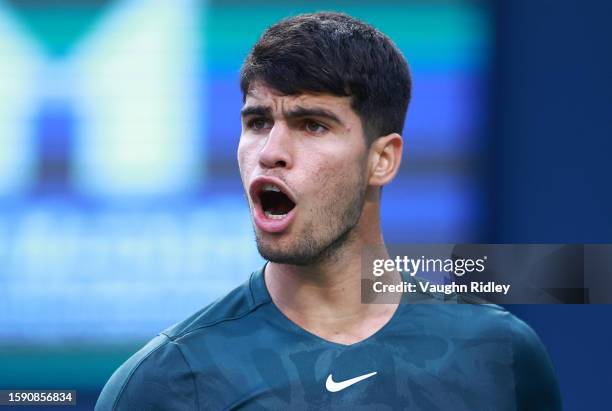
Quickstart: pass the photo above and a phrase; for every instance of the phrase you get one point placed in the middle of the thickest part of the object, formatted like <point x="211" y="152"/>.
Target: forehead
<point x="262" y="95"/>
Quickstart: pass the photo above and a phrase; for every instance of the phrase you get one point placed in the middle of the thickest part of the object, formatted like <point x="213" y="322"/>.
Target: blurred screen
<point x="121" y="206"/>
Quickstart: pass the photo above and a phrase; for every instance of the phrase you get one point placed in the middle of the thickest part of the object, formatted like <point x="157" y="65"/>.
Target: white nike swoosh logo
<point x="333" y="386"/>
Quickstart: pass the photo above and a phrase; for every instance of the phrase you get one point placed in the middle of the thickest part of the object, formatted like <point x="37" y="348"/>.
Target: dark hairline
<point x="370" y="108"/>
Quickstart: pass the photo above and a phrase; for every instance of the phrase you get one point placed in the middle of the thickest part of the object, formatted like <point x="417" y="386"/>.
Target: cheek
<point x="334" y="175"/>
<point x="343" y="163"/>
<point x="245" y="155"/>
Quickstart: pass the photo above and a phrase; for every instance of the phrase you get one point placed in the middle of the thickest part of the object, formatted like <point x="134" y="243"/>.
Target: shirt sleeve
<point x="536" y="384"/>
<point x="155" y="378"/>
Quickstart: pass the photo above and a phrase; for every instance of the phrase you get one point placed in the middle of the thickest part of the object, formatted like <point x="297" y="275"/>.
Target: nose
<point x="276" y="151"/>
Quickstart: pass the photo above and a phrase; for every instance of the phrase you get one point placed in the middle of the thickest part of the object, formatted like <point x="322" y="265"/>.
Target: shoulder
<point x="156" y="376"/>
<point x="491" y="334"/>
<point x="160" y="376"/>
<point x="464" y="314"/>
<point x="536" y="384"/>
<point x="468" y="317"/>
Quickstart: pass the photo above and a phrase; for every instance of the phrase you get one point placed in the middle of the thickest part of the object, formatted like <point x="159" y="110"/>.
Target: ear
<point x="385" y="156"/>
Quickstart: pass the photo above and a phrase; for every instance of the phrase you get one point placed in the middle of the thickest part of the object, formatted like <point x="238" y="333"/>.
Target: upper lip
<point x="258" y="183"/>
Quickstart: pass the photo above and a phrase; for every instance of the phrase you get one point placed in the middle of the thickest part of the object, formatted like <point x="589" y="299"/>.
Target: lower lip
<point x="272" y="225"/>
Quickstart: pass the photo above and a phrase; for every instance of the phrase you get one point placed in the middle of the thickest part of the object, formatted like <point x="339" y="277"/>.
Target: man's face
<point x="302" y="161"/>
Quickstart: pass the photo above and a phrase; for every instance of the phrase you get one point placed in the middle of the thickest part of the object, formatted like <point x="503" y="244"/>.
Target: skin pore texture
<point x="313" y="147"/>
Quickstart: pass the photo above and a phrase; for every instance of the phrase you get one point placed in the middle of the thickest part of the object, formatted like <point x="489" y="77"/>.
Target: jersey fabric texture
<point x="242" y="353"/>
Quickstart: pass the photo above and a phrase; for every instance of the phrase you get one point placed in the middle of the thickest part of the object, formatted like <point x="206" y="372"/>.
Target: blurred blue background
<point x="121" y="207"/>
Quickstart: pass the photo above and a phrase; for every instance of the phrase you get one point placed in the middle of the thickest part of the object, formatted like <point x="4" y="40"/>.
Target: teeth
<point x="274" y="216"/>
<point x="270" y="187"/>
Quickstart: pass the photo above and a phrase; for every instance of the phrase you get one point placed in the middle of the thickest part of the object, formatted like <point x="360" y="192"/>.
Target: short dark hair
<point x="334" y="53"/>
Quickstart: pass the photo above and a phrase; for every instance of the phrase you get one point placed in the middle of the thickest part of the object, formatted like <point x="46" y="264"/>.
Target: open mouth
<point x="274" y="202"/>
<point x="274" y="206"/>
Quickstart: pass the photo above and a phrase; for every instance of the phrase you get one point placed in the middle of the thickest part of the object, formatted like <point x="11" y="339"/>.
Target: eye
<point x="258" y="124"/>
<point x="314" y="127"/>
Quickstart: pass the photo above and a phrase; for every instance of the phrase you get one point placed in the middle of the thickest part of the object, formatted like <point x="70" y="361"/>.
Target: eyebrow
<point x="301" y="112"/>
<point x="256" y="111"/>
<point x="296" y="113"/>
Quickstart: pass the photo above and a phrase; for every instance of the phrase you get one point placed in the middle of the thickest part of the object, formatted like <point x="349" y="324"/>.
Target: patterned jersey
<point x="242" y="353"/>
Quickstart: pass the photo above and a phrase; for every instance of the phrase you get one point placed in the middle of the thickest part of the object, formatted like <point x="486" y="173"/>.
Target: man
<point x="325" y="98"/>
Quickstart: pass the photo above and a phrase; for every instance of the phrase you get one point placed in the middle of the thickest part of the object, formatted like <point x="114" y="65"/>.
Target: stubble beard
<point x="324" y="236"/>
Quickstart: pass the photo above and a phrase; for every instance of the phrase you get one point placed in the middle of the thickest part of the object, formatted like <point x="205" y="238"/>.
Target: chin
<point x="275" y="256"/>
<point x="277" y="252"/>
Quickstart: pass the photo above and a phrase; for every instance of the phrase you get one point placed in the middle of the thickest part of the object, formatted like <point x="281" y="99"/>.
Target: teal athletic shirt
<point x="242" y="353"/>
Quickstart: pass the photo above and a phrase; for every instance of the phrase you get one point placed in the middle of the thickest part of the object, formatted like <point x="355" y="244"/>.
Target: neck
<point x="325" y="297"/>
